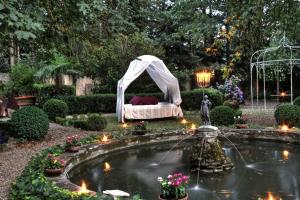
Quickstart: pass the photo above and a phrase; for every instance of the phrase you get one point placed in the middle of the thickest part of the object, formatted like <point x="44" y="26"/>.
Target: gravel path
<point x="16" y="156"/>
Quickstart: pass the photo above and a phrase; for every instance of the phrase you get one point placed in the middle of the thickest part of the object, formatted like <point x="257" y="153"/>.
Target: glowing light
<point x="284" y="128"/>
<point x="83" y="189"/>
<point x="104" y="138"/>
<point x="193" y="127"/>
<point x="272" y="197"/>
<point x="183" y="121"/>
<point x="124" y="125"/>
<point x="282" y="94"/>
<point x="107" y="167"/>
<point x="203" y="77"/>
<point x="286" y="154"/>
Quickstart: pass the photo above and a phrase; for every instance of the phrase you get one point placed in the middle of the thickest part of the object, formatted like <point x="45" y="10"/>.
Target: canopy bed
<point x="148" y="107"/>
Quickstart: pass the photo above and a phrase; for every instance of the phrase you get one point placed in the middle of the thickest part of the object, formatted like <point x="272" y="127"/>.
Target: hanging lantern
<point x="203" y="77"/>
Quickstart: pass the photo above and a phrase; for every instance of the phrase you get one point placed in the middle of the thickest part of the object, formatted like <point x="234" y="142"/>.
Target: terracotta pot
<point x="184" y="198"/>
<point x="53" y="172"/>
<point x="139" y="132"/>
<point x="73" y="149"/>
<point x="241" y="126"/>
<point x="21" y="101"/>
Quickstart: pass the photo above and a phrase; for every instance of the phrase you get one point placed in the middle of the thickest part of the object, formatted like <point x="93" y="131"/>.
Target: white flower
<point x="170" y="176"/>
<point x="239" y="117"/>
<point x="169" y="183"/>
<point x="160" y="179"/>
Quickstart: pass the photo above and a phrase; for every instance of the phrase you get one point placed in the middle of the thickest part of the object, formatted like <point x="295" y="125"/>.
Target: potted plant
<point x="72" y="144"/>
<point x="240" y="122"/>
<point x="53" y="166"/>
<point x="140" y="128"/>
<point x="20" y="89"/>
<point x="173" y="187"/>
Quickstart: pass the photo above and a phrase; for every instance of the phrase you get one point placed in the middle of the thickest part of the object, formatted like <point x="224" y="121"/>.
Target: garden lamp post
<point x="203" y="77"/>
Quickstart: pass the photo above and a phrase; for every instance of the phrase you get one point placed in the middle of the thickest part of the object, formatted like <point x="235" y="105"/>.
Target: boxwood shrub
<point x="297" y="101"/>
<point x="106" y="103"/>
<point x="30" y="123"/>
<point x="288" y="114"/>
<point x="55" y="108"/>
<point x="222" y="115"/>
<point x="96" y="122"/>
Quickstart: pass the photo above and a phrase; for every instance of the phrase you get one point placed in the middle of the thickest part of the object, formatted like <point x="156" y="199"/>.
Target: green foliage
<point x="21" y="81"/>
<point x="110" y="61"/>
<point x="191" y="100"/>
<point x="92" y="103"/>
<point x="238" y="113"/>
<point x="106" y="103"/>
<point x="81" y="124"/>
<point x="20" y="21"/>
<point x="222" y="115"/>
<point x="234" y="104"/>
<point x="297" y="101"/>
<point x="30" y="123"/>
<point x="96" y="122"/>
<point x="287" y="114"/>
<point x="55" y="108"/>
<point x="58" y="66"/>
<point x="46" y="92"/>
<point x="32" y="184"/>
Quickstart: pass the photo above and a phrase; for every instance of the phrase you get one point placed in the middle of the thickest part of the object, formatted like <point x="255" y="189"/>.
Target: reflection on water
<point x="269" y="169"/>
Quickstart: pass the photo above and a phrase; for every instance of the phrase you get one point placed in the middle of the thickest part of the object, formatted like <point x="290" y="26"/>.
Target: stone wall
<point x="84" y="86"/>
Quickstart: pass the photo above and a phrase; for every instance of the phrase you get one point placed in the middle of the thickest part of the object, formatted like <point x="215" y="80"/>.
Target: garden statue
<point x="204" y="111"/>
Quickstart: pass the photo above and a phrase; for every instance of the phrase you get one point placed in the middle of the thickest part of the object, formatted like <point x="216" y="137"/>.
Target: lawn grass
<point x="156" y="125"/>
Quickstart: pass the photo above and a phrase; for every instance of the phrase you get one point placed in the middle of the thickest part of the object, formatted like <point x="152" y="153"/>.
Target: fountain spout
<point x="207" y="155"/>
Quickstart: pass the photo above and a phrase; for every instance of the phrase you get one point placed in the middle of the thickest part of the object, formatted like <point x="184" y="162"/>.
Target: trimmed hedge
<point x="46" y="92"/>
<point x="191" y="100"/>
<point x="287" y="114"/>
<point x="55" y="108"/>
<point x="30" y="123"/>
<point x="106" y="103"/>
<point x="222" y="115"/>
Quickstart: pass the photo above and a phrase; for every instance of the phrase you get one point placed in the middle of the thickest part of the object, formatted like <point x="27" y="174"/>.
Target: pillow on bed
<point x="146" y="100"/>
<point x="136" y="100"/>
<point x="150" y="100"/>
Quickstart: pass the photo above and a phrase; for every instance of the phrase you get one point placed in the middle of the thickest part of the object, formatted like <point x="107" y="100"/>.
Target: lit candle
<point x="124" y="125"/>
<point x="285" y="154"/>
<point x="104" y="139"/>
<point x="83" y="189"/>
<point x="284" y="128"/>
<point x="183" y="121"/>
<point x="107" y="167"/>
<point x="282" y="94"/>
<point x="193" y="127"/>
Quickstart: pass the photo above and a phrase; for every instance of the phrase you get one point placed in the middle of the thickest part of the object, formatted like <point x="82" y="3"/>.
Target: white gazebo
<point x="163" y="78"/>
<point x="260" y="61"/>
